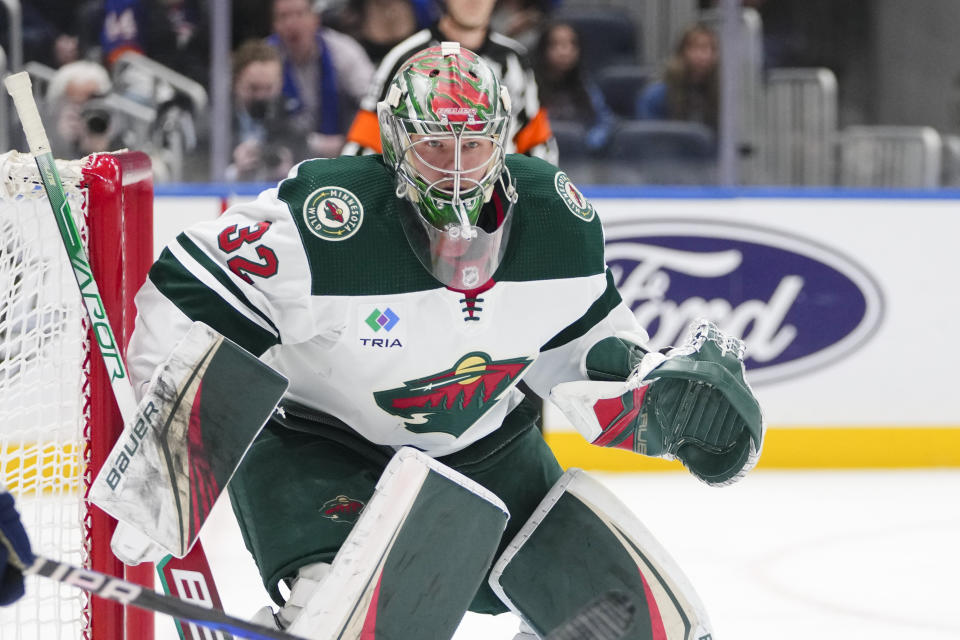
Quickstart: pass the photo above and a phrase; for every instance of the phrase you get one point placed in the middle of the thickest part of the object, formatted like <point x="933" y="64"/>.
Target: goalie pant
<point x="419" y="554"/>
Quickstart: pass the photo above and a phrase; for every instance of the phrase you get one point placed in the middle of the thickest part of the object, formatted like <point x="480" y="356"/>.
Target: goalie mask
<point x="443" y="126"/>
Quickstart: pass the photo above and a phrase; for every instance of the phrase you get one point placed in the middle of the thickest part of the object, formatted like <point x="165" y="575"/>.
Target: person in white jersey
<point x="404" y="296"/>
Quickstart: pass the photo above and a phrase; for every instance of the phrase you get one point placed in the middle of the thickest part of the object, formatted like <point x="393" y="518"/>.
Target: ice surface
<point x="786" y="555"/>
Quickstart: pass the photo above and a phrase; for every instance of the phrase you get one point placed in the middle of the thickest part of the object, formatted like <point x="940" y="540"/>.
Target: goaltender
<point x="404" y="296"/>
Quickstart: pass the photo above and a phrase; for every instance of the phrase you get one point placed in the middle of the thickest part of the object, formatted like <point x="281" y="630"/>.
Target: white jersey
<point x="316" y="277"/>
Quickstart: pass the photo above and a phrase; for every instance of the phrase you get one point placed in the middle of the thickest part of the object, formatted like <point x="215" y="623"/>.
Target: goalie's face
<point x="451" y="171"/>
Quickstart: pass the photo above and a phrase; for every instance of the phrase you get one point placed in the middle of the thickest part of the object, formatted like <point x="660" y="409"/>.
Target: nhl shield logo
<point x="572" y="197"/>
<point x="332" y="213"/>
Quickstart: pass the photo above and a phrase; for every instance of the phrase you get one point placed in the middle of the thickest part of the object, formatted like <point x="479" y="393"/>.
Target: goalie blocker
<point x="204" y="406"/>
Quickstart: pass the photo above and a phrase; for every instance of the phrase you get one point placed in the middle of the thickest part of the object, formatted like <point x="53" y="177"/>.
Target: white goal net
<point x="43" y="399"/>
<point x="52" y="417"/>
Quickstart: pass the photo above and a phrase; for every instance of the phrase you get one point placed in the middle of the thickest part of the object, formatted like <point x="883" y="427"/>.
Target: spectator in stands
<point x="82" y="124"/>
<point x="250" y="19"/>
<point x="689" y="88"/>
<point x="174" y="33"/>
<point x="522" y="20"/>
<point x="466" y="22"/>
<point x="325" y="74"/>
<point x="177" y="35"/>
<point x="378" y="25"/>
<point x="266" y="145"/>
<point x="566" y="90"/>
<point x="55" y="32"/>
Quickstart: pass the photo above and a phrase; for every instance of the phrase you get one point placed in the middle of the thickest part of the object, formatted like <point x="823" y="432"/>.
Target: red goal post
<point x="58" y="417"/>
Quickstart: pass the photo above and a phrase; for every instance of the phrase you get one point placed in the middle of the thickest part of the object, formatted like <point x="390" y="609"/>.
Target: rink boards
<point x="844" y="298"/>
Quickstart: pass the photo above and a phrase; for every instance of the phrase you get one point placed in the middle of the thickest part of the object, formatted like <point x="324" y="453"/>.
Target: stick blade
<point x="609" y="616"/>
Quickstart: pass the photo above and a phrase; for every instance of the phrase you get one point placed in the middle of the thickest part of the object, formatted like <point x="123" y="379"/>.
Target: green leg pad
<point x="286" y="492"/>
<point x="414" y="559"/>
<point x="582" y="542"/>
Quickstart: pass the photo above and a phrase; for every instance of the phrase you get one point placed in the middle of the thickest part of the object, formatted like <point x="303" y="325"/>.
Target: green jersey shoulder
<point x="347" y="213"/>
<point x="557" y="233"/>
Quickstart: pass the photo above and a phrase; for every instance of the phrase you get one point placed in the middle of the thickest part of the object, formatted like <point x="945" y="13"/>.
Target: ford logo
<point x="797" y="304"/>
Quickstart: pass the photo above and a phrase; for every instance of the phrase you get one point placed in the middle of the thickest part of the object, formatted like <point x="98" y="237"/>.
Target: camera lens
<point x="97" y="121"/>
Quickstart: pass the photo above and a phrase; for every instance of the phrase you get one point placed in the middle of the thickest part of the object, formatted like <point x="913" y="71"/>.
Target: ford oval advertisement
<point x="798" y="304"/>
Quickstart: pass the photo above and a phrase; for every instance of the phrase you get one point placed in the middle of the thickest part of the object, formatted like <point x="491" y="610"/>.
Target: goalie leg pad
<point x="414" y="559"/>
<point x="285" y="493"/>
<point x="519" y="467"/>
<point x="582" y="541"/>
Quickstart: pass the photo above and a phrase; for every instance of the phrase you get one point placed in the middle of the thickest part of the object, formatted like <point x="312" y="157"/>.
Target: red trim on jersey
<point x="473" y="293"/>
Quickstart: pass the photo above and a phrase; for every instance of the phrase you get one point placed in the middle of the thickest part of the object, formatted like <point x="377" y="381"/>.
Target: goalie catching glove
<point x="692" y="404"/>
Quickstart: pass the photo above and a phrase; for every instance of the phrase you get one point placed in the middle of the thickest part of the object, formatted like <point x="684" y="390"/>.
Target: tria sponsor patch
<point x="385" y="319"/>
<point x="380" y="325"/>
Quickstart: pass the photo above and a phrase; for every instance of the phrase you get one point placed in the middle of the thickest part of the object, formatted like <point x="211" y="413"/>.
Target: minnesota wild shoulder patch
<point x="572" y="197"/>
<point x="332" y="213"/>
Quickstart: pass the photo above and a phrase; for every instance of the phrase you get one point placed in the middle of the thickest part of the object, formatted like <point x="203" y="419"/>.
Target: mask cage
<point x="453" y="197"/>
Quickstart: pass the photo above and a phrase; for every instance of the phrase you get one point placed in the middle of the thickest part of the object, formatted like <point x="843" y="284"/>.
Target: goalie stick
<point x="19" y="87"/>
<point x="606" y="617"/>
<point x="129" y="593"/>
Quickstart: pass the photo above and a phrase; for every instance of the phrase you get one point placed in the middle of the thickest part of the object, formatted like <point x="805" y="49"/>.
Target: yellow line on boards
<point x="795" y="448"/>
<point x="56" y="467"/>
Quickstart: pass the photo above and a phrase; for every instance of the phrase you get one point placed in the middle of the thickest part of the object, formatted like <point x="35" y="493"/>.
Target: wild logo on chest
<point x="451" y="401"/>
